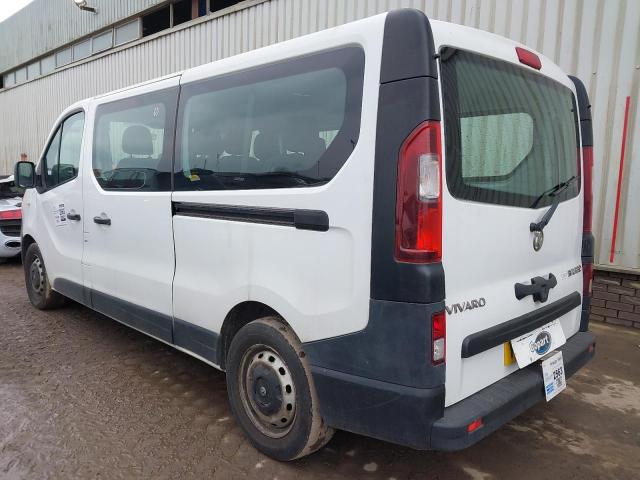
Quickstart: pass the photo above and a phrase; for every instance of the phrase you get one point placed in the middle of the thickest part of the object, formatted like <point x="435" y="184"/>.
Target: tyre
<point x="39" y="290"/>
<point x="271" y="391"/>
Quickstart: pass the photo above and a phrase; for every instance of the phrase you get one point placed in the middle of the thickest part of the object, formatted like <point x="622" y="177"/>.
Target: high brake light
<point x="529" y="58"/>
<point x="11" y="214"/>
<point x="419" y="197"/>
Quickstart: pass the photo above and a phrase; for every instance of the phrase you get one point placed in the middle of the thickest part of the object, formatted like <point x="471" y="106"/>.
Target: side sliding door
<point x="273" y="196"/>
<point x="129" y="255"/>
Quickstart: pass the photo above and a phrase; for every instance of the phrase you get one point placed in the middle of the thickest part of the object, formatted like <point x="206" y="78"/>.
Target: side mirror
<point x="25" y="174"/>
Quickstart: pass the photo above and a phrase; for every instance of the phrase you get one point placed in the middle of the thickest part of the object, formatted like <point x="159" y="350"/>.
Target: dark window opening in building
<point x="1" y="82"/>
<point x="182" y="11"/>
<point x="221" y="4"/>
<point x="156" y="21"/>
<point x="202" y="7"/>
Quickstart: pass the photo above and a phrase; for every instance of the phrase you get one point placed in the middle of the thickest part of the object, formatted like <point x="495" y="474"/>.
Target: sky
<point x="9" y="7"/>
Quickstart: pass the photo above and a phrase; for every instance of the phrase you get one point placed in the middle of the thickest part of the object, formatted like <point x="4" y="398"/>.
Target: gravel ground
<point x="82" y="396"/>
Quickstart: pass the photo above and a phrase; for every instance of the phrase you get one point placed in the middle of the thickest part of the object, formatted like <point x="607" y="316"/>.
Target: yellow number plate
<point x="509" y="357"/>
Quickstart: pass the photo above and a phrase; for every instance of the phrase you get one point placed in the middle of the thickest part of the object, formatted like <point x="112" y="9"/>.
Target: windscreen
<point x="510" y="132"/>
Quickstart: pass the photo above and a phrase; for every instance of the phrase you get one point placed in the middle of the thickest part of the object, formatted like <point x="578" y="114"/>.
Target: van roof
<point x="444" y="33"/>
<point x="447" y="34"/>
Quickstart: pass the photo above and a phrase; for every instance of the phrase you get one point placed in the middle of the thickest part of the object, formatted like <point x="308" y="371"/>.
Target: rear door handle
<point x="102" y="220"/>
<point x="539" y="288"/>
<point x="73" y="216"/>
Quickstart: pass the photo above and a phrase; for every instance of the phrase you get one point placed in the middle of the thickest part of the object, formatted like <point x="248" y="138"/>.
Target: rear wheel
<point x="41" y="295"/>
<point x="271" y="391"/>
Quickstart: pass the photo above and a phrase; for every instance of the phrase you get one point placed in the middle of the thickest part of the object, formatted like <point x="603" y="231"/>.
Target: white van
<point x="381" y="228"/>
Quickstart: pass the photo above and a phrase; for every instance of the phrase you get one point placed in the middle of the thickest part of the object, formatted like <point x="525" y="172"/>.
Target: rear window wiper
<point x="555" y="193"/>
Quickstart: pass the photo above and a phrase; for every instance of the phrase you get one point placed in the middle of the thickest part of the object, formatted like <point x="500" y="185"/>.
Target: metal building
<point x="54" y="53"/>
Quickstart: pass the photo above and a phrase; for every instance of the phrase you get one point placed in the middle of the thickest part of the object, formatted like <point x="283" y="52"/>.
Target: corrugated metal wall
<point x="599" y="40"/>
<point x="56" y="23"/>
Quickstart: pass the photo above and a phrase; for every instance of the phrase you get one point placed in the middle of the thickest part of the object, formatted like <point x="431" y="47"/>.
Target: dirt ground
<point x="82" y="396"/>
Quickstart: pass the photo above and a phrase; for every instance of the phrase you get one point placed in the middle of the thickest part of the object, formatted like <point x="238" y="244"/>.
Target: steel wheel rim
<point x="267" y="391"/>
<point x="36" y="276"/>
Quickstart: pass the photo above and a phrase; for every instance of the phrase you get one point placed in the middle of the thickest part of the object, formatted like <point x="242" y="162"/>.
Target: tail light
<point x="438" y="338"/>
<point x="419" y="197"/>
<point x="587" y="279"/>
<point x="587" y="173"/>
<point x="11" y="214"/>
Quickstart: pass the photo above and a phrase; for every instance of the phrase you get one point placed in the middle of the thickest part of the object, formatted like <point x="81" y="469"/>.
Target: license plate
<point x="553" y="374"/>
<point x="532" y="346"/>
<point x="508" y="356"/>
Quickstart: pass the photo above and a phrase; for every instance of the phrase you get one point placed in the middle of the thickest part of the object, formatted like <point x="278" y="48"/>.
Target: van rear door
<point x="511" y="155"/>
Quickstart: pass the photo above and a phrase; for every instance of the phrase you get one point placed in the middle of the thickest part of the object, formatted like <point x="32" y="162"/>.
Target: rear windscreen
<point x="510" y="132"/>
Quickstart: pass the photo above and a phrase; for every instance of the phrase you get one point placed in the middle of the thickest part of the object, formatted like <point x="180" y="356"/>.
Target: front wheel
<point x="41" y="295"/>
<point x="271" y="391"/>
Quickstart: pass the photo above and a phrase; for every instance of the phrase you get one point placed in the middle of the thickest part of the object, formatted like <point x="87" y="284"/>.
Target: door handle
<point x="73" y="216"/>
<point x="102" y="220"/>
<point x="539" y="288"/>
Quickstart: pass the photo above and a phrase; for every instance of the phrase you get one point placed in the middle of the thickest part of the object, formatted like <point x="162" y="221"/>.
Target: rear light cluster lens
<point x="587" y="172"/>
<point x="419" y="197"/>
<point x="587" y="278"/>
<point x="438" y="338"/>
<point x="475" y="425"/>
<point x="11" y="214"/>
<point x="429" y="180"/>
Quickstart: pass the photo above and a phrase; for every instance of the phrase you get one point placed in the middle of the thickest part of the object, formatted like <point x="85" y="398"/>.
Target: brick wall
<point x="616" y="298"/>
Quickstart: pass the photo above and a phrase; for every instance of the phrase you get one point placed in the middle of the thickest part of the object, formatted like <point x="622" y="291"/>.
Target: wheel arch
<point x="239" y="316"/>
<point x="27" y="241"/>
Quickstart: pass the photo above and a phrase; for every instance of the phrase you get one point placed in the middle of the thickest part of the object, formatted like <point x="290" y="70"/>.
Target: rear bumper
<point x="416" y="417"/>
<point x="9" y="246"/>
<point x="505" y="399"/>
<point x="386" y="411"/>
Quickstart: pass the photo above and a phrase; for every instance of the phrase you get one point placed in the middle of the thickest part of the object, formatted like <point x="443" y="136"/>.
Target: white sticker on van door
<point x="59" y="215"/>
<point x="554" y="376"/>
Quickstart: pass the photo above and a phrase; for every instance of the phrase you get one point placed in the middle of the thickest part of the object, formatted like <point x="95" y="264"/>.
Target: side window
<point x="290" y="124"/>
<point x="70" y="145"/>
<point x="133" y="142"/>
<point x="50" y="163"/>
<point x="62" y="160"/>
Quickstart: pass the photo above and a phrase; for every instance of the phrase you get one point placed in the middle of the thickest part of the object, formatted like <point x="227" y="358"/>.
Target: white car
<point x="383" y="227"/>
<point x="10" y="217"/>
